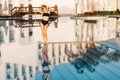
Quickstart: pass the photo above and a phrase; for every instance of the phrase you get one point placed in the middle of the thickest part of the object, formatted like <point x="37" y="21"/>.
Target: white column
<point x="2" y="73"/>
<point x="20" y="71"/>
<point x="27" y="72"/>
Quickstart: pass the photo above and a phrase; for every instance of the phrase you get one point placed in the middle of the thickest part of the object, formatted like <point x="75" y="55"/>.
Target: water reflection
<point x="97" y="31"/>
<point x="46" y="75"/>
<point x="82" y="56"/>
<point x="92" y="57"/>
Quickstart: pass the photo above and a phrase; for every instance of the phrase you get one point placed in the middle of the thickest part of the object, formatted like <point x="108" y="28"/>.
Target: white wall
<point x="19" y="54"/>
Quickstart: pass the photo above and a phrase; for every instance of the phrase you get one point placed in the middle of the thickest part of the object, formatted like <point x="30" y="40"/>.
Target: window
<point x="39" y="57"/>
<point x="59" y="60"/>
<point x="0" y="54"/>
<point x="36" y="68"/>
<point x="50" y="62"/>
<point x="11" y="35"/>
<point x="22" y="33"/>
<point x="0" y="58"/>
<point x="63" y="58"/>
<point x="8" y="71"/>
<point x="15" y="71"/>
<point x="8" y="66"/>
<point x="8" y="76"/>
<point x="76" y="34"/>
<point x="30" y="71"/>
<point x="1" y="37"/>
<point x="53" y="54"/>
<point x="24" y="78"/>
<point x="54" y="61"/>
<point x="30" y="32"/>
<point x="59" y="50"/>
<point x="23" y="70"/>
<point x="39" y="46"/>
<point x="24" y="73"/>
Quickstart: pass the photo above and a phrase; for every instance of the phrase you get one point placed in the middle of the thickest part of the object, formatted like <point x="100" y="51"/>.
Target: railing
<point x="30" y="10"/>
<point x="24" y="10"/>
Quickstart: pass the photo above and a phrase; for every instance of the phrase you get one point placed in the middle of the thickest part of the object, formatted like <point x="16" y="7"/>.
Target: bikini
<point x="44" y="64"/>
<point x="44" y="21"/>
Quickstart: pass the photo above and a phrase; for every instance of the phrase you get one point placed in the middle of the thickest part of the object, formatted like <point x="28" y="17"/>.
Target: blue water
<point x="102" y="72"/>
<point x="90" y="66"/>
<point x="109" y="44"/>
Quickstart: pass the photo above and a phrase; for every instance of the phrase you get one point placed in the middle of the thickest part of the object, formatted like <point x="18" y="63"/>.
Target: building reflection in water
<point x="97" y="30"/>
<point x="86" y="55"/>
<point x="94" y="55"/>
<point x="81" y="56"/>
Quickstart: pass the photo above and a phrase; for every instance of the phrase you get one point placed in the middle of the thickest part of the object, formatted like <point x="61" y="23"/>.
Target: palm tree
<point x="87" y="5"/>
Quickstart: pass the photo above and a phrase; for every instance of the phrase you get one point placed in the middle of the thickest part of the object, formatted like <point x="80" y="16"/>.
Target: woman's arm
<point x="48" y="10"/>
<point x="40" y="11"/>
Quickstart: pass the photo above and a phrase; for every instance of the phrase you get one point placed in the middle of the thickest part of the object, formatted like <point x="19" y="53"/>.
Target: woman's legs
<point x="44" y="53"/>
<point x="42" y="29"/>
<point x="45" y="32"/>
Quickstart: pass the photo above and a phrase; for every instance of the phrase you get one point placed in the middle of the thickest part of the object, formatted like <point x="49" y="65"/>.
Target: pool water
<point x="68" y="61"/>
<point x="97" y="63"/>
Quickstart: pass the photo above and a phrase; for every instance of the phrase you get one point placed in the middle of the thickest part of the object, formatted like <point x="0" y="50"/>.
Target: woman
<point x="45" y="65"/>
<point x="46" y="74"/>
<point x="45" y="11"/>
